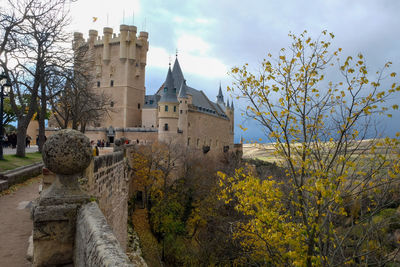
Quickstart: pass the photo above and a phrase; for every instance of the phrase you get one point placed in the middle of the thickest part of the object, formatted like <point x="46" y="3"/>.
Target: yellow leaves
<point x="241" y="127"/>
<point x="395" y="106"/>
<point x="298" y="54"/>
<point x="393" y="74"/>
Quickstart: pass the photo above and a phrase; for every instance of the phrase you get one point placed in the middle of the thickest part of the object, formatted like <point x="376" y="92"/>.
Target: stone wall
<point x="107" y="181"/>
<point x="95" y="244"/>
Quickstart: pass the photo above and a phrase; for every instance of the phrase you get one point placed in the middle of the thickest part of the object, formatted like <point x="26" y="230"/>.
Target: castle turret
<point x="183" y="111"/>
<point x="106" y="40"/>
<point x="132" y="42"/>
<point x="168" y="113"/>
<point x="220" y="96"/>
<point x="230" y="113"/>
<point x="123" y="41"/>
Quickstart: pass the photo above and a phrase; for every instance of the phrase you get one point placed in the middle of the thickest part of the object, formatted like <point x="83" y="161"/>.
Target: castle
<point x="175" y="113"/>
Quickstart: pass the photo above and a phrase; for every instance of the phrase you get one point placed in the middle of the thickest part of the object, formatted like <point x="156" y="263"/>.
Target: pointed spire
<point x="169" y="92"/>
<point x="220" y="96"/>
<point x="169" y="81"/>
<point x="177" y="74"/>
<point x="182" y="90"/>
<point x="232" y="107"/>
<point x="227" y="103"/>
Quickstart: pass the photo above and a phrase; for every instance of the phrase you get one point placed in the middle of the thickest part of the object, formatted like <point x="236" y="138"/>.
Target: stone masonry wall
<point x="107" y="181"/>
<point x="95" y="244"/>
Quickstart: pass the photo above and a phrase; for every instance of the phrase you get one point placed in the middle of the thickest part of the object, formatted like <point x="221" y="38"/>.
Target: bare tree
<point x="34" y="44"/>
<point x="77" y="105"/>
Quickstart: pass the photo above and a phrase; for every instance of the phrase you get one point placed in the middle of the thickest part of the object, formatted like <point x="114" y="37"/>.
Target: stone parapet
<point x="95" y="243"/>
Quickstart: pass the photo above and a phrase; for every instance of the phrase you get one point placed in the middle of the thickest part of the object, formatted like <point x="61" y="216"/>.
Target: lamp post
<point x="5" y="89"/>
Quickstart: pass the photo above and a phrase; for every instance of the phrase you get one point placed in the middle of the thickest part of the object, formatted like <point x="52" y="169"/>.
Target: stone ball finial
<point x="67" y="152"/>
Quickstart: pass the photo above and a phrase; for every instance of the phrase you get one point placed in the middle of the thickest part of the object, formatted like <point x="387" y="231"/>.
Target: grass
<point x="15" y="187"/>
<point x="11" y="161"/>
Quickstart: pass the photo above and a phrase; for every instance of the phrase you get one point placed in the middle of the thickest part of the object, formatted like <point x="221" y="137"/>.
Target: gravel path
<point x="16" y="225"/>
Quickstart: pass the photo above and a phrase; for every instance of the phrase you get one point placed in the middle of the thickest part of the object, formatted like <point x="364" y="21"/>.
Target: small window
<point x="112" y="104"/>
<point x="166" y="108"/>
<point x="181" y="111"/>
<point x="151" y="102"/>
<point x="159" y="108"/>
<point x="138" y="105"/>
<point x="98" y="83"/>
<point x="188" y="142"/>
<point x="166" y="127"/>
<point x="112" y="83"/>
<point x="180" y="101"/>
<point x="185" y="101"/>
<point x="174" y="108"/>
<point x="165" y="89"/>
<point x="198" y="141"/>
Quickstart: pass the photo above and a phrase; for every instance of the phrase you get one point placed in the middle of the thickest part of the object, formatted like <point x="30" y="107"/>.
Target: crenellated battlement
<point x="127" y="39"/>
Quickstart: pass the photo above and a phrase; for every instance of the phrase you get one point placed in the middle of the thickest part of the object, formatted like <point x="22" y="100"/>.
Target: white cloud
<point x="83" y="11"/>
<point x="194" y="57"/>
<point x="192" y="44"/>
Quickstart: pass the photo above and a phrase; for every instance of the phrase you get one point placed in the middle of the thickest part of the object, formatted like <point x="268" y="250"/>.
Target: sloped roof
<point x="169" y="92"/>
<point x="199" y="99"/>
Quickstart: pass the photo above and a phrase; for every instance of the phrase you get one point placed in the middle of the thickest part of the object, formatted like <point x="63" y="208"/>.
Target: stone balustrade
<point x="68" y="228"/>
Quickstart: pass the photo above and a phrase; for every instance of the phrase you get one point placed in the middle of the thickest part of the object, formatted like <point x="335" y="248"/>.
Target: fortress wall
<point x="209" y="130"/>
<point x="95" y="244"/>
<point x="107" y="180"/>
<point x="143" y="137"/>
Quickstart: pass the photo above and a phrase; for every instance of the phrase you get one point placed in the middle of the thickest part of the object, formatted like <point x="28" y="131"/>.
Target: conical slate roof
<point x="220" y="96"/>
<point x="169" y="92"/>
<point x="178" y="74"/>
<point x="182" y="90"/>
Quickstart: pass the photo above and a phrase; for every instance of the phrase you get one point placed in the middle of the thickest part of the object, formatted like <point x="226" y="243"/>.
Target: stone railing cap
<point x="67" y="152"/>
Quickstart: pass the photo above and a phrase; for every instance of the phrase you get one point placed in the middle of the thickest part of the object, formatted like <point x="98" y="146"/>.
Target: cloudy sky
<point x="212" y="36"/>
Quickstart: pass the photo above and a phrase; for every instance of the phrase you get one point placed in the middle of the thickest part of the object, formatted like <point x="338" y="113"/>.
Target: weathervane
<point x="176" y="53"/>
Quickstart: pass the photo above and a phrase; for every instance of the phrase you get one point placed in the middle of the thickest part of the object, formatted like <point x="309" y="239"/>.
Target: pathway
<point x="16" y="225"/>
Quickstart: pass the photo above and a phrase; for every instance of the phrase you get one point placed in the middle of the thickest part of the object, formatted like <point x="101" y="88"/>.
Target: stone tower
<point x="230" y="112"/>
<point x="168" y="113"/>
<point x="118" y="71"/>
<point x="183" y="112"/>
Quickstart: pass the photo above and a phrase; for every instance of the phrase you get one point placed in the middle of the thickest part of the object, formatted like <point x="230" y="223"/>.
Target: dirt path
<point x="148" y="242"/>
<point x="16" y="225"/>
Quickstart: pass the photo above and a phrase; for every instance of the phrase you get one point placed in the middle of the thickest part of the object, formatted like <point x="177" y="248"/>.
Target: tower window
<point x="185" y="101"/>
<point x="112" y="104"/>
<point x="198" y="141"/>
<point x="166" y="127"/>
<point x="151" y="102"/>
<point x="181" y="111"/>
<point x="166" y="108"/>
<point x="174" y="108"/>
<point x="98" y="83"/>
<point x="188" y="143"/>
<point x="165" y="89"/>
<point x="112" y="83"/>
<point x="138" y="105"/>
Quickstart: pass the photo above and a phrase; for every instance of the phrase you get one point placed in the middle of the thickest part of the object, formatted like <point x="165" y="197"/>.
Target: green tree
<point x="337" y="182"/>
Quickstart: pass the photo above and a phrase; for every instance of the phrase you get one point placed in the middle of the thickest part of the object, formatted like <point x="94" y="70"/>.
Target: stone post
<point x="67" y="154"/>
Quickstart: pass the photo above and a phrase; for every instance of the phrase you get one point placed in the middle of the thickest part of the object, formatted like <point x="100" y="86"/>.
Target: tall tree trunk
<point x="42" y="117"/>
<point x="21" y="137"/>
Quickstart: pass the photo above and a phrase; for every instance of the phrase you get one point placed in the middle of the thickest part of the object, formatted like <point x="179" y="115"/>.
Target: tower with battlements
<point x="118" y="70"/>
